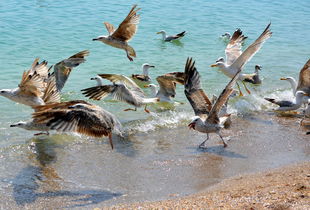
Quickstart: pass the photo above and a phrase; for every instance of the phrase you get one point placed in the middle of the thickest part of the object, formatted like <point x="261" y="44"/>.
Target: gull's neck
<point x="99" y="82"/>
<point x="164" y="35"/>
<point x="293" y="83"/>
<point x="145" y="70"/>
<point x="299" y="99"/>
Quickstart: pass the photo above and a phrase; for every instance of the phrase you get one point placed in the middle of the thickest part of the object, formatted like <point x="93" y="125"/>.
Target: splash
<point x="170" y="119"/>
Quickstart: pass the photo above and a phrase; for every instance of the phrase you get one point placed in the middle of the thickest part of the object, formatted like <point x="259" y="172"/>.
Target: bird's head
<point x="101" y="38"/>
<point x="192" y="124"/>
<point x="161" y="32"/>
<point x="258" y="67"/>
<point x="301" y="93"/>
<point x="78" y="106"/>
<point x="98" y="79"/>
<point x="227" y="35"/>
<point x="220" y="62"/>
<point x="147" y="66"/>
<point x="20" y="124"/>
<point x="287" y="78"/>
<point x="5" y="92"/>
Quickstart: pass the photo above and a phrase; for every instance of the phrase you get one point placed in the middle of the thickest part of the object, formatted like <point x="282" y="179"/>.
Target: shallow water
<point x="159" y="158"/>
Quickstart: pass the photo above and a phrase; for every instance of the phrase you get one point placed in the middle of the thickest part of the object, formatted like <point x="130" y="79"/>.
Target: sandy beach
<point x="283" y="188"/>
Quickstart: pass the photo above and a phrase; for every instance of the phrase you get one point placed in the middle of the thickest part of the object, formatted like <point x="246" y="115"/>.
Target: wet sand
<point x="283" y="188"/>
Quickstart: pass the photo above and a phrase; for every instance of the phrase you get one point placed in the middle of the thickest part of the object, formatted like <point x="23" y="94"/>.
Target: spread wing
<point x="63" y="68"/>
<point x="51" y="93"/>
<point x="222" y="99"/>
<point x="32" y="84"/>
<point x="118" y="91"/>
<point x="195" y="95"/>
<point x="304" y="78"/>
<point x="167" y="83"/>
<point x="122" y="79"/>
<point x="98" y="92"/>
<point x="91" y="121"/>
<point x="233" y="49"/>
<point x="127" y="29"/>
<point x="252" y="49"/>
<point x="110" y="27"/>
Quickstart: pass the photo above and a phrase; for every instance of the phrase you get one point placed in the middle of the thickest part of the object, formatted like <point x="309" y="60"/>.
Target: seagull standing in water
<point x="145" y="73"/>
<point x="34" y="83"/>
<point x="303" y="82"/>
<point x="171" y="37"/>
<point x="236" y="59"/>
<point x="122" y="89"/>
<point x="285" y="105"/>
<point x="167" y="85"/>
<point x="120" y="37"/>
<point x="208" y="120"/>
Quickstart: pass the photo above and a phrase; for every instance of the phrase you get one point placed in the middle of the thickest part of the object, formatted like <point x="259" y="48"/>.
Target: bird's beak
<point x="146" y="86"/>
<point x="306" y="94"/>
<point x="92" y="78"/>
<point x="213" y="65"/>
<point x="13" y="125"/>
<point x="191" y="125"/>
<point x="95" y="39"/>
<point x="283" y="78"/>
<point x="158" y="32"/>
<point x="152" y="66"/>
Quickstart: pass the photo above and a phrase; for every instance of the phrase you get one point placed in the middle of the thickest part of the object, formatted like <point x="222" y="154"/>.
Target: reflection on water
<point x="40" y="179"/>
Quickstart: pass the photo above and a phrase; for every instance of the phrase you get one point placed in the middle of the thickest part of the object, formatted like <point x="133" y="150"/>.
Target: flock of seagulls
<point x="40" y="88"/>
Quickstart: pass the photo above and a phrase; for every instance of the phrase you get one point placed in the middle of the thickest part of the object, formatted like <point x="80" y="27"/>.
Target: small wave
<point x="170" y="119"/>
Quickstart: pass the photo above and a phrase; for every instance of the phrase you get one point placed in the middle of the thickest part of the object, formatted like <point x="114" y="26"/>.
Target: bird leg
<point x="247" y="90"/>
<point x="145" y="109"/>
<point x="203" y="144"/>
<point x="130" y="109"/>
<point x="240" y="92"/>
<point x="110" y="139"/>
<point x="225" y="145"/>
<point x="42" y="133"/>
<point x="130" y="58"/>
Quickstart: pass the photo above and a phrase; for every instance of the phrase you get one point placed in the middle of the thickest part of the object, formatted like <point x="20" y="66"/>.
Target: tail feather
<point x="181" y="34"/>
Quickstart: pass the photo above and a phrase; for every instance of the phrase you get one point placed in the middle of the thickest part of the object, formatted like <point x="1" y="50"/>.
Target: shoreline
<point x="286" y="187"/>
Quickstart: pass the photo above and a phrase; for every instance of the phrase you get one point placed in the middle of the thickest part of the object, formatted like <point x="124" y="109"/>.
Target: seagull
<point x="145" y="73"/>
<point x="285" y="105"/>
<point x="120" y="37"/>
<point x="171" y="37"/>
<point x="34" y="82"/>
<point x="207" y="120"/>
<point x="253" y="78"/>
<point x="236" y="59"/>
<point x="122" y="89"/>
<point x="77" y="116"/>
<point x="167" y="85"/>
<point x="303" y="82"/>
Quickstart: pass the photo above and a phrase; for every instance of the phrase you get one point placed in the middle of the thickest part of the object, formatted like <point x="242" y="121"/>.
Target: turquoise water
<point x="54" y="30"/>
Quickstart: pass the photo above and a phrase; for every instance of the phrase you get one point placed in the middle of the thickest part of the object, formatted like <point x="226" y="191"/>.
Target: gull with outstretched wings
<point x="126" y="30"/>
<point x="121" y="89"/>
<point x="32" y="89"/>
<point x="208" y="119"/>
<point x="236" y="59"/>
